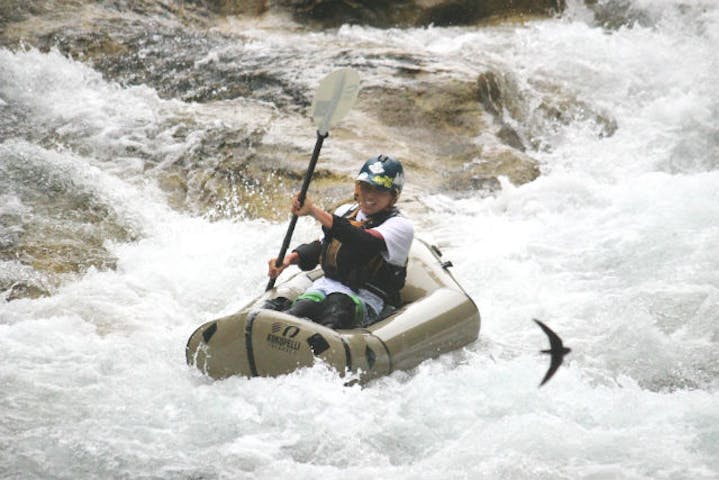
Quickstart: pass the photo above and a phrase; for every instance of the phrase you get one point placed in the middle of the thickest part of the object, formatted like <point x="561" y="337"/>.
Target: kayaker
<point x="363" y="252"/>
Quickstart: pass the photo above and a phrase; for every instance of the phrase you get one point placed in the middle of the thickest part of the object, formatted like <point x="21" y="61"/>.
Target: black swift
<point x="557" y="351"/>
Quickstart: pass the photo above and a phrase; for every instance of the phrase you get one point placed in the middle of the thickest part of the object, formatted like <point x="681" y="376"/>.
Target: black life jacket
<point x="350" y="266"/>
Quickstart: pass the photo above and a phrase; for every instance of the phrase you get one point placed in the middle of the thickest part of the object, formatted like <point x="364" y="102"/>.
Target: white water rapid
<point x="615" y="246"/>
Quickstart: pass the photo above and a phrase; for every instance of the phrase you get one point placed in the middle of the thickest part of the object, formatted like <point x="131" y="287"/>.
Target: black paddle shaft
<point x="303" y="194"/>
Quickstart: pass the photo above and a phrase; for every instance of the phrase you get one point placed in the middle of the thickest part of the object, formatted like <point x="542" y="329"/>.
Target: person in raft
<point x="363" y="252"/>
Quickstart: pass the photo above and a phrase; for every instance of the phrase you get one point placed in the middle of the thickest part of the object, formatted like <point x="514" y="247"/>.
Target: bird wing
<point x="554" y="341"/>
<point x="553" y="366"/>
<point x="557" y="351"/>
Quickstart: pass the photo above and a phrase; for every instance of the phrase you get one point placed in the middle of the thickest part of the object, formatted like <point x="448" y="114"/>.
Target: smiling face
<point x="373" y="200"/>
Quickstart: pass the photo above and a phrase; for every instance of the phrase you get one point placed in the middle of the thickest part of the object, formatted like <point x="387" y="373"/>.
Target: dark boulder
<point x="414" y="13"/>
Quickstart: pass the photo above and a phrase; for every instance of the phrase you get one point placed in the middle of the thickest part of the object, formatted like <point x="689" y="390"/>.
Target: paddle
<point x="334" y="98"/>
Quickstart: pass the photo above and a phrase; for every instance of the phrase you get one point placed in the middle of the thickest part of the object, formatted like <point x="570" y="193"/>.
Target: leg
<point x="308" y="305"/>
<point x="341" y="311"/>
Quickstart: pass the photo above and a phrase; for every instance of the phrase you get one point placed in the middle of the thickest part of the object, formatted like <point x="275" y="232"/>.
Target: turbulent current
<point x="615" y="245"/>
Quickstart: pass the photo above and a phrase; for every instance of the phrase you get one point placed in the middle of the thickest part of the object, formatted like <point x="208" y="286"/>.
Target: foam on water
<point x="615" y="246"/>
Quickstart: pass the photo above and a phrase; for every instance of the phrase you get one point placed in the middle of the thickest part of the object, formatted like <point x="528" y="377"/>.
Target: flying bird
<point x="557" y="351"/>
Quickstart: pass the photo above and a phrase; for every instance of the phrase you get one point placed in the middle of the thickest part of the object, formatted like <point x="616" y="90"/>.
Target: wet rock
<point x="322" y="13"/>
<point x="510" y="137"/>
<point x="176" y="62"/>
<point x="481" y="174"/>
<point x="500" y="160"/>
<point x="453" y="128"/>
<point x="18" y="10"/>
<point x="237" y="7"/>
<point x="238" y="174"/>
<point x="490" y="93"/>
<point x="502" y="98"/>
<point x="615" y="14"/>
<point x="61" y="227"/>
<point x="413" y="13"/>
<point x="237" y="189"/>
<point x="500" y="95"/>
<point x="570" y="110"/>
<point x="20" y="290"/>
<point x="160" y="44"/>
<point x="256" y="188"/>
<point x="556" y="109"/>
<point x="440" y="120"/>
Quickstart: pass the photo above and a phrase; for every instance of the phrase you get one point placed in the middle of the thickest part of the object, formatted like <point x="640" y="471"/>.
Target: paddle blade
<point x="334" y="98"/>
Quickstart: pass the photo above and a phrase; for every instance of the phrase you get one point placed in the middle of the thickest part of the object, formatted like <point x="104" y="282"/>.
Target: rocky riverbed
<point x="235" y="81"/>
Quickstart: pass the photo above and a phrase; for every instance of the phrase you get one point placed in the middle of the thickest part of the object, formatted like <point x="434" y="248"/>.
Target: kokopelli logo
<point x="290" y="331"/>
<point x="283" y="341"/>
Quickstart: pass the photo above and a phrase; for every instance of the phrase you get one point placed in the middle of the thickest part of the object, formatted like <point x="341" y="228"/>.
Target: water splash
<point x="614" y="244"/>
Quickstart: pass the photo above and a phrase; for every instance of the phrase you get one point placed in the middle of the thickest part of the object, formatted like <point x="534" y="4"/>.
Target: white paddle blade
<point x="334" y="98"/>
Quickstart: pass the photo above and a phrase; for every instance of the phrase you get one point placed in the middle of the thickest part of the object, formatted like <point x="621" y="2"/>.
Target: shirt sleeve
<point x="398" y="233"/>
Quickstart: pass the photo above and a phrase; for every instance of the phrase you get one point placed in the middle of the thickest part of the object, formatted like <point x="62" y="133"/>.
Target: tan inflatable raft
<point x="437" y="316"/>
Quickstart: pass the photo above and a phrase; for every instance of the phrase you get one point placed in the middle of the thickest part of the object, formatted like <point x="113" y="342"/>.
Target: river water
<point x="615" y="245"/>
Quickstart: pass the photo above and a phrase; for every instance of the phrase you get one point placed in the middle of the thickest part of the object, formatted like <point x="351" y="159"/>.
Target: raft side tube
<point x="369" y="356"/>
<point x="259" y="342"/>
<point x="282" y="343"/>
<point x="218" y="348"/>
<point x="443" y="321"/>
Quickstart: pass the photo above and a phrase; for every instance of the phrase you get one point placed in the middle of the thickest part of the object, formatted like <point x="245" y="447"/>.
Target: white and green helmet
<point x="383" y="172"/>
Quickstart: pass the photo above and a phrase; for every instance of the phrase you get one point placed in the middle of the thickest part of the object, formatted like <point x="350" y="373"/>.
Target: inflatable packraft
<point x="436" y="316"/>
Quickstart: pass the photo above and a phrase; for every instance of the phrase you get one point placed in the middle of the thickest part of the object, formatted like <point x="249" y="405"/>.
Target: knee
<point x="340" y="311"/>
<point x="304" y="308"/>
